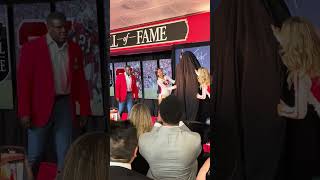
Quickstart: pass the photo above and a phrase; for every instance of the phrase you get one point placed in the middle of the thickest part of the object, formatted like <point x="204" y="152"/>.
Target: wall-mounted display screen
<point x="150" y="79"/>
<point x="166" y="65"/>
<point x="6" y="89"/>
<point x="119" y="65"/>
<point x="82" y="14"/>
<point x="111" y="81"/>
<point x="201" y="52"/>
<point x="29" y="22"/>
<point x="136" y="70"/>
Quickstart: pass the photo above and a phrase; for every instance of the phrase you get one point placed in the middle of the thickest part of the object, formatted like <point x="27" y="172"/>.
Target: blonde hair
<point x="203" y="76"/>
<point x="87" y="158"/>
<point x="300" y="46"/>
<point x="140" y="117"/>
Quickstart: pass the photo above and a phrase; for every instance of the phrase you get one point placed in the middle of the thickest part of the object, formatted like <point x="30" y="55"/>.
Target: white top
<point x="165" y="86"/>
<point x="204" y="92"/>
<point x="124" y="165"/>
<point x="303" y="96"/>
<point x="129" y="82"/>
<point x="60" y="65"/>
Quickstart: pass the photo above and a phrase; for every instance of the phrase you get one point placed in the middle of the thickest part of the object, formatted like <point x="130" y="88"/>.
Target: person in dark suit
<point x="123" y="150"/>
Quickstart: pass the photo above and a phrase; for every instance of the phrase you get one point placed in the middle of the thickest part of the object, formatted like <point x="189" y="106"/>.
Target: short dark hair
<point x="56" y="15"/>
<point x="171" y="110"/>
<point x="127" y="66"/>
<point x="123" y="141"/>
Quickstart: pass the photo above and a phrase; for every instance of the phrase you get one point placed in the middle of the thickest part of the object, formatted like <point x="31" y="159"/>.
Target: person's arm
<point x="171" y="80"/>
<point x="299" y="110"/>
<point x="172" y="87"/>
<point x="198" y="145"/>
<point x="162" y="86"/>
<point x="143" y="146"/>
<point x="84" y="97"/>
<point x="24" y="85"/>
<point x="135" y="91"/>
<point x="117" y="87"/>
<point x="204" y="170"/>
<point x="203" y="93"/>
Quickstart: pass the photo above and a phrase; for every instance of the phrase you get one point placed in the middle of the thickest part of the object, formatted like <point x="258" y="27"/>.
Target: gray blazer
<point x="171" y="152"/>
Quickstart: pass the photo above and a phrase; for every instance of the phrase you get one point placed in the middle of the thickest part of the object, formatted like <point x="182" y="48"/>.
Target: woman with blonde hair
<point x="204" y="111"/>
<point x="140" y="117"/>
<point x="300" y="53"/>
<point x="204" y="81"/>
<point x="87" y="158"/>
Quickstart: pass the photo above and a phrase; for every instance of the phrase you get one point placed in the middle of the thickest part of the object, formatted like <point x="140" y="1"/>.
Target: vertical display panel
<point x="119" y="65"/>
<point x="150" y="79"/>
<point x="82" y="14"/>
<point x="29" y="22"/>
<point x="202" y="53"/>
<point x="6" y="89"/>
<point x="136" y="69"/>
<point x="166" y="65"/>
<point x="111" y="80"/>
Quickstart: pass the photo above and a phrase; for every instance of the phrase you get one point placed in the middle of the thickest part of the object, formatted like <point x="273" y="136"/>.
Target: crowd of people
<point x="159" y="150"/>
<point x="163" y="146"/>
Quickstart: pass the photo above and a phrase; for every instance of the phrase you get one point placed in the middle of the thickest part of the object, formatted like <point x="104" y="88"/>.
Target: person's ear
<point x="274" y="28"/>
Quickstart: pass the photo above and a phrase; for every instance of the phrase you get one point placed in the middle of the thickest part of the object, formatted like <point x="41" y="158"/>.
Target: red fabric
<point x="206" y="148"/>
<point x="12" y="175"/>
<point x="118" y="71"/>
<point x="35" y="80"/>
<point x="315" y="88"/>
<point x="208" y="89"/>
<point x="121" y="87"/>
<point x="47" y="171"/>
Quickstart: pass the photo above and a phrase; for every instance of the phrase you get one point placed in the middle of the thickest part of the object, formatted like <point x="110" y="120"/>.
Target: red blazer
<point x="121" y="87"/>
<point x="315" y="88"/>
<point x="35" y="81"/>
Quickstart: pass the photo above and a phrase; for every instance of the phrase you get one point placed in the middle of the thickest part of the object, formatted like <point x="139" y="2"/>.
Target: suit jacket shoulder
<point x="121" y="173"/>
<point x="146" y="139"/>
<point x="34" y="44"/>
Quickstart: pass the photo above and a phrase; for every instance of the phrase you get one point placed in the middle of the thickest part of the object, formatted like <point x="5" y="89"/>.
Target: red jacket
<point x="36" y="91"/>
<point x="121" y="87"/>
<point x="315" y="88"/>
